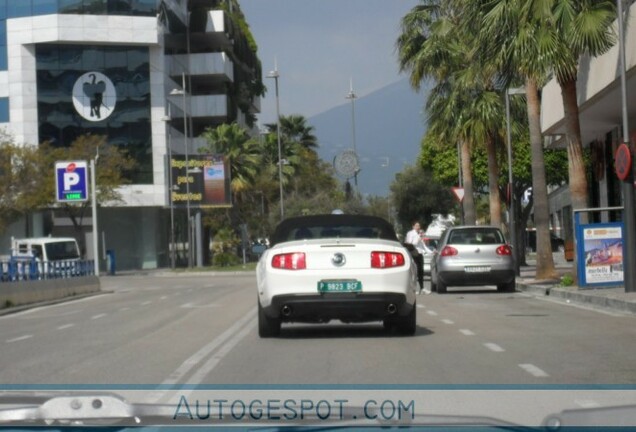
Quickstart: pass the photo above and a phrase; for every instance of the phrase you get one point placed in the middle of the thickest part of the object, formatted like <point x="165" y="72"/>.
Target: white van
<point x="46" y="249"/>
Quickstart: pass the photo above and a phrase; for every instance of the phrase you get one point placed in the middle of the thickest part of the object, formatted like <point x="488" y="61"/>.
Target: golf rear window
<point x="476" y="236"/>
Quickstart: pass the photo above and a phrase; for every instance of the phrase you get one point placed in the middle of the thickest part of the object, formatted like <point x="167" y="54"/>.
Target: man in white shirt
<point x="413" y="237"/>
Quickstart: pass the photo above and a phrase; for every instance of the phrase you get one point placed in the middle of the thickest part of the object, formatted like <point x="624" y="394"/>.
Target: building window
<point x="128" y="126"/>
<point x="4" y="110"/>
<point x="16" y="9"/>
<point x="44" y="7"/>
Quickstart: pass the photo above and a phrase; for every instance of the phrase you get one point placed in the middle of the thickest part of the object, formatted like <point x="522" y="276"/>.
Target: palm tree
<point x="533" y="38"/>
<point x="295" y="128"/>
<point x="435" y="44"/>
<point x="517" y="43"/>
<point x="242" y="151"/>
<point x="583" y="27"/>
<point x="445" y="115"/>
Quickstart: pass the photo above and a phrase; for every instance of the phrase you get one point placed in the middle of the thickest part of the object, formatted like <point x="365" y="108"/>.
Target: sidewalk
<point x="610" y="299"/>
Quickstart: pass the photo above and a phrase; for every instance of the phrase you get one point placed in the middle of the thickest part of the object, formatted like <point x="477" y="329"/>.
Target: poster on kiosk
<point x="600" y="254"/>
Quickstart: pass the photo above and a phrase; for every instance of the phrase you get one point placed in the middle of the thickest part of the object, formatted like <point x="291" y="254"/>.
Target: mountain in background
<point x="389" y="126"/>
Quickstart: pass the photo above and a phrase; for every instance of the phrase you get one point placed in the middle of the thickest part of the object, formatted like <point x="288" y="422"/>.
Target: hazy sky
<point x="320" y="45"/>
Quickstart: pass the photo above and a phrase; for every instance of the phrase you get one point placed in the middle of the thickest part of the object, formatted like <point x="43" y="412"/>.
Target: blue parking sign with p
<point x="71" y="181"/>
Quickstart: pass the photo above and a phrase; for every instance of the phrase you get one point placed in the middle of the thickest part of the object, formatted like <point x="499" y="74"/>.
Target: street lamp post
<point x="629" y="201"/>
<point x="352" y="97"/>
<point x="275" y="75"/>
<point x="182" y="92"/>
<point x="94" y="212"/>
<point x="511" y="209"/>
<point x="173" y="260"/>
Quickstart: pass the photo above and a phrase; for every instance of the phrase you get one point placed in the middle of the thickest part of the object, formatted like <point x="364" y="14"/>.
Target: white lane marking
<point x="19" y="338"/>
<point x="494" y="347"/>
<point x="124" y="309"/>
<point x="65" y="326"/>
<point x="191" y="305"/>
<point x="98" y="316"/>
<point x="447" y="321"/>
<point x="146" y="303"/>
<point x="533" y="370"/>
<point x="419" y="306"/>
<point x="432" y="313"/>
<point x="467" y="332"/>
<point x="194" y="360"/>
<point x="163" y="297"/>
<point x="204" y="370"/>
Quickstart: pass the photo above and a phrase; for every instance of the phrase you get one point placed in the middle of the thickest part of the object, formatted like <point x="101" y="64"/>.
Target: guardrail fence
<point x="26" y="269"/>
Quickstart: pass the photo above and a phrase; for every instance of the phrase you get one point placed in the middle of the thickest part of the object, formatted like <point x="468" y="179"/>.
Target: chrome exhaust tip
<point x="286" y="310"/>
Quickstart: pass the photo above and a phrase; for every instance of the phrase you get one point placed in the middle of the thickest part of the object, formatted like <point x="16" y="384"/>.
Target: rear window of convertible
<point x="333" y="226"/>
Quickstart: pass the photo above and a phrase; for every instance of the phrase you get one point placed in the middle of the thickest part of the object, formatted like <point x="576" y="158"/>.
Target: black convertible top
<point x="333" y="226"/>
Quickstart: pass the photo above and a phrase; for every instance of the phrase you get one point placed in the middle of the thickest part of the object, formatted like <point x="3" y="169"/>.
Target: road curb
<point x="593" y="298"/>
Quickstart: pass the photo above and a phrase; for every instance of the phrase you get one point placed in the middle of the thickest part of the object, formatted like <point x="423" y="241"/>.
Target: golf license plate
<point x="477" y="269"/>
<point x="339" y="286"/>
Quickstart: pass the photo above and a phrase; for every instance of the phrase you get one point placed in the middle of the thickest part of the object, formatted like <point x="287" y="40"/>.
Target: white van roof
<point x="43" y="240"/>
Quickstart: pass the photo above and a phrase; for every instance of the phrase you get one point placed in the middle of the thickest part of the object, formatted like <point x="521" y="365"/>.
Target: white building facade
<point x="150" y="75"/>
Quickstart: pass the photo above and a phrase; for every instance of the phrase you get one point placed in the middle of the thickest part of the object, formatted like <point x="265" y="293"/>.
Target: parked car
<point x="473" y="256"/>
<point x="350" y="268"/>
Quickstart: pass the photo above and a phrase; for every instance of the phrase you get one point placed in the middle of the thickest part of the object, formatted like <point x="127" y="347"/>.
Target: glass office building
<point x="149" y="75"/>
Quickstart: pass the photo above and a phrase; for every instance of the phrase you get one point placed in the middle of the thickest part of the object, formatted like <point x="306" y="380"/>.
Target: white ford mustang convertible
<point x="350" y="268"/>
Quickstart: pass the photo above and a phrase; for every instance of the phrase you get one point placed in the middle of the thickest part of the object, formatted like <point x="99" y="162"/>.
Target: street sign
<point x="71" y="181"/>
<point x="623" y="161"/>
<point x="459" y="193"/>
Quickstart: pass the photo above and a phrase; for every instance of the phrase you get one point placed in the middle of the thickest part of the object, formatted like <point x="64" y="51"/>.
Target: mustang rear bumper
<point x="349" y="307"/>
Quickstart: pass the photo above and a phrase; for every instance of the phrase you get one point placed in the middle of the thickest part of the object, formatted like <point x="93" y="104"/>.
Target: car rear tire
<point x="267" y="327"/>
<point x="433" y="286"/>
<point x="408" y="324"/>
<point x="509" y="287"/>
<point x="441" y="287"/>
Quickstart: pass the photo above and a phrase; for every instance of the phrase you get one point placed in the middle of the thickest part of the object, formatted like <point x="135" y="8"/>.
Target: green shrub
<point x="224" y="248"/>
<point x="225" y="259"/>
<point x="567" y="280"/>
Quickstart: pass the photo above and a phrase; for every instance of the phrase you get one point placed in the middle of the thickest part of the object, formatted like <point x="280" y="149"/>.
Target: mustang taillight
<point x="290" y="261"/>
<point x="504" y="250"/>
<point x="448" y="251"/>
<point x="386" y="259"/>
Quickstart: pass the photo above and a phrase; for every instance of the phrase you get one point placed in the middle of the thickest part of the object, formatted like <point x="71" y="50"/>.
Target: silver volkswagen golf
<point x="473" y="256"/>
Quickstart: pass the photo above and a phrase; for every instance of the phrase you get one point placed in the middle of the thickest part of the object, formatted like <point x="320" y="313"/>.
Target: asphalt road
<point x="187" y="339"/>
<point x="176" y="330"/>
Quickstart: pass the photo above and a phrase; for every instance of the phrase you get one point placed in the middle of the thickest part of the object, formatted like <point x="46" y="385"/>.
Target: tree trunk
<point x="545" y="261"/>
<point x="467" y="177"/>
<point x="576" y="164"/>
<point x="493" y="184"/>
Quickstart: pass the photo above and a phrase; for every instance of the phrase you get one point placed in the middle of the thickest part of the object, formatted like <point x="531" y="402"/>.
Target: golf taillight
<point x="289" y="261"/>
<point x="448" y="251"/>
<point x="386" y="259"/>
<point x="504" y="250"/>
